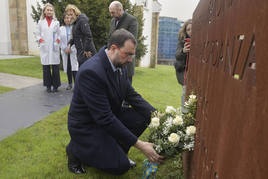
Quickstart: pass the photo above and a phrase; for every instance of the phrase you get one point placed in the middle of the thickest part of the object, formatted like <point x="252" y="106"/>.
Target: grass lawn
<point x="39" y="151"/>
<point x="4" y="89"/>
<point x="26" y="67"/>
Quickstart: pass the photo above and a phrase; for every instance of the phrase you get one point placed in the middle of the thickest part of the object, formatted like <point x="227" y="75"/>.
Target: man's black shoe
<point x="74" y="164"/>
<point x="131" y="163"/>
<point x="77" y="170"/>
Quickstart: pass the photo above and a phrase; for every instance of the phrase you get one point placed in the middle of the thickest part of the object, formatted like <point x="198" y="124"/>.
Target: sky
<point x="180" y="9"/>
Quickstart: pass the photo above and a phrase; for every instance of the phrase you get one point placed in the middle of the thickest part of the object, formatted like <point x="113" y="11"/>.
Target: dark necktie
<point x="118" y="74"/>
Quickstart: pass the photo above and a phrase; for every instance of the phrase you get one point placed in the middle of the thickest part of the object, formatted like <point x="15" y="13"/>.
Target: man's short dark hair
<point x="119" y="37"/>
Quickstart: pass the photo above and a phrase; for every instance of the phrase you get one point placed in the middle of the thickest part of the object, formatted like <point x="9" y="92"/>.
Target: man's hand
<point x="148" y="150"/>
<point x="88" y="54"/>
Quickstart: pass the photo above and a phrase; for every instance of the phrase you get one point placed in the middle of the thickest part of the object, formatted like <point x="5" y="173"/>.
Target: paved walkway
<point x="2" y="57"/>
<point x="23" y="107"/>
<point x="27" y="104"/>
<point x="17" y="82"/>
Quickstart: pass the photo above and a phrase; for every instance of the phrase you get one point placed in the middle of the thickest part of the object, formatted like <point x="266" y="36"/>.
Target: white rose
<point x="186" y="103"/>
<point x="174" y="138"/>
<point x="190" y="130"/>
<point x="178" y="121"/>
<point x="155" y="122"/>
<point x="192" y="96"/>
<point x="170" y="109"/>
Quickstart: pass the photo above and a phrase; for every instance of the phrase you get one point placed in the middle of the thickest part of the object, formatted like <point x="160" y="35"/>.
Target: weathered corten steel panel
<point x="229" y="44"/>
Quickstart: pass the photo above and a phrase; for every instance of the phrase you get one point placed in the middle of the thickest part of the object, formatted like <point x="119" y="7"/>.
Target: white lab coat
<point x="49" y="49"/>
<point x="63" y="46"/>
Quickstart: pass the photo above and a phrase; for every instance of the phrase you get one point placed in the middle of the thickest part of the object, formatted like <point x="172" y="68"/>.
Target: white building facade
<point x="149" y="7"/>
<point x="17" y="28"/>
<point x="5" y="41"/>
<point x="32" y="27"/>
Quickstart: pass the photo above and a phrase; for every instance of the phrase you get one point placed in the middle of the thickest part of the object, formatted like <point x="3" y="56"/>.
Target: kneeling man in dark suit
<point x="101" y="130"/>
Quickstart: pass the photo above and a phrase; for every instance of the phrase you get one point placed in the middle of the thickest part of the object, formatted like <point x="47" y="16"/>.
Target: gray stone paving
<point x="23" y="107"/>
<point x="27" y="104"/>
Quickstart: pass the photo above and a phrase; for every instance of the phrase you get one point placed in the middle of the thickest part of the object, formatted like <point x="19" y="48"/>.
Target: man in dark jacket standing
<point x="101" y="130"/>
<point x="122" y="19"/>
<point x="81" y="34"/>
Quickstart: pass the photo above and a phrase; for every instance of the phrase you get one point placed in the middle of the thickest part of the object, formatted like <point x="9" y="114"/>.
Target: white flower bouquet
<point x="172" y="131"/>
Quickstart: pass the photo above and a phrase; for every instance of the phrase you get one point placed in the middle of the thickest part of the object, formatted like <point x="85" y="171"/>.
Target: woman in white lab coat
<point x="48" y="37"/>
<point x="69" y="59"/>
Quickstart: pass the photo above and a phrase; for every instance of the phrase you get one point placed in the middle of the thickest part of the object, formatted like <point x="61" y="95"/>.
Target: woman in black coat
<point x="182" y="55"/>
<point x="81" y="34"/>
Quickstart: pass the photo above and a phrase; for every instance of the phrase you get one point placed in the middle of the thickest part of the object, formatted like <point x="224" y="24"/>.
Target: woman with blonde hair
<point x="81" y="34"/>
<point x="71" y="7"/>
<point x="182" y="56"/>
<point x="47" y="34"/>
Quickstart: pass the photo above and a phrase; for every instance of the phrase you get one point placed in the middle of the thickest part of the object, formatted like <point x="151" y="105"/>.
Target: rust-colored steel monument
<point x="228" y="46"/>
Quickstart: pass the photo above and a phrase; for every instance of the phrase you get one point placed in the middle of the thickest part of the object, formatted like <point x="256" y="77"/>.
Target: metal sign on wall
<point x="228" y="45"/>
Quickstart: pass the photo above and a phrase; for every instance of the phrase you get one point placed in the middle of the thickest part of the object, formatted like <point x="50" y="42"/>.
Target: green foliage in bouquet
<point x="172" y="132"/>
<point x="190" y="106"/>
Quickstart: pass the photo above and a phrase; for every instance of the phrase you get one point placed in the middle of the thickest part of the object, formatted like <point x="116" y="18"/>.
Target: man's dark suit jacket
<point x="93" y="121"/>
<point x="129" y="23"/>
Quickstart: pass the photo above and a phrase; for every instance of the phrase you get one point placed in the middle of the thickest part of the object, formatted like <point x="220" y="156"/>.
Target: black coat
<point x="180" y="62"/>
<point x="129" y="23"/>
<point x="82" y="38"/>
<point x="93" y="121"/>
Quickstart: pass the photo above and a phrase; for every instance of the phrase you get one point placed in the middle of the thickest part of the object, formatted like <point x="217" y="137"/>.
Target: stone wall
<point x="18" y="27"/>
<point x="154" y="39"/>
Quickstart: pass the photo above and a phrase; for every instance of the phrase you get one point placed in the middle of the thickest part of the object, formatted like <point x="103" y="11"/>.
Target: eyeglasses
<point x="126" y="54"/>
